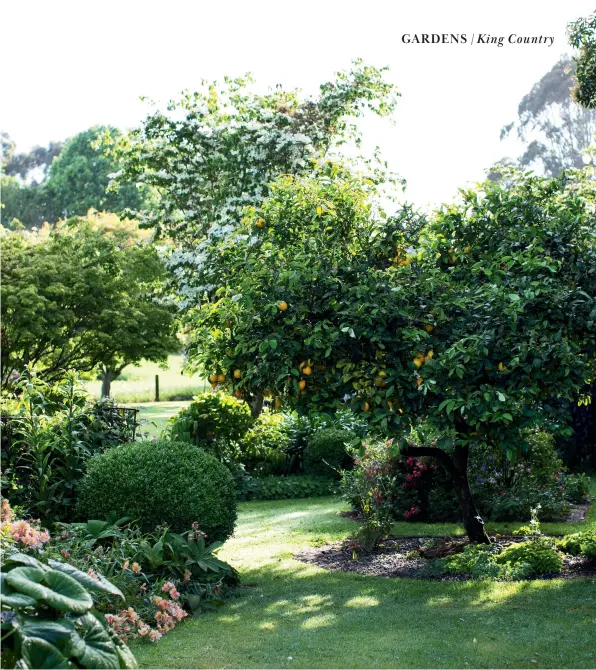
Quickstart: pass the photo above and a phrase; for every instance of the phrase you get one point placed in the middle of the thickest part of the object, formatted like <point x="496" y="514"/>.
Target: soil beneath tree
<point x="400" y="557"/>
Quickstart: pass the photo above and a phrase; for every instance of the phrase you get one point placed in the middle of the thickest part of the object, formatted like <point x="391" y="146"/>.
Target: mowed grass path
<point x="291" y="615"/>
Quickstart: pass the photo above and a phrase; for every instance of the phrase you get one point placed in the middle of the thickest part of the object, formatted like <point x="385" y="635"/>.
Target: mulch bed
<point x="390" y="560"/>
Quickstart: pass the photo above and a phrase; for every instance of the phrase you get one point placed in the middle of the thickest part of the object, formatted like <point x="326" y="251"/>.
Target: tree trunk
<point x="473" y="522"/>
<point x="107" y="377"/>
<point x="256" y="405"/>
<point x="457" y="466"/>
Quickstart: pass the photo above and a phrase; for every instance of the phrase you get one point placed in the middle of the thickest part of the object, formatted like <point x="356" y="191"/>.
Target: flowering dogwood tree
<point x="214" y="152"/>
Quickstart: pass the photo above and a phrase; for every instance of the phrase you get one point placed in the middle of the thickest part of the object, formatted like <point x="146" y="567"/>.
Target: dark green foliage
<point x="161" y="483"/>
<point x="538" y="553"/>
<point x="53" y="623"/>
<point x="294" y="486"/>
<point x="216" y="421"/>
<point x="48" y="436"/>
<point x="582" y="36"/>
<point x="86" y="294"/>
<point x="579" y="544"/>
<point x="264" y="447"/>
<point x="79" y="177"/>
<point x="326" y="452"/>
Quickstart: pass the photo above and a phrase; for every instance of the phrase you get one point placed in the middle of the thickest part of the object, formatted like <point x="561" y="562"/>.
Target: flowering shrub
<point x="21" y="532"/>
<point x="383" y="484"/>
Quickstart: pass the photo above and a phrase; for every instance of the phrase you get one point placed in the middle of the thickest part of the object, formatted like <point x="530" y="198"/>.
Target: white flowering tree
<point x="214" y="152"/>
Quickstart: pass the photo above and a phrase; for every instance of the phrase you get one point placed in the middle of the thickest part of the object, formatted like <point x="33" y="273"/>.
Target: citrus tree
<point x="470" y="321"/>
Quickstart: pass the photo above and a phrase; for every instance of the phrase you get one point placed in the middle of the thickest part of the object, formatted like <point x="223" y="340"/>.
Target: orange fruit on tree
<point x="260" y="223"/>
<point x="365" y="407"/>
<point x="307" y="370"/>
<point x="283" y="305"/>
<point x="221" y="378"/>
<point x="213" y="379"/>
<point x="238" y="374"/>
<point x="302" y="384"/>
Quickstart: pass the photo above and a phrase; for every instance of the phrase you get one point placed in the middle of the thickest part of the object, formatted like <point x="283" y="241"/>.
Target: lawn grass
<point x="154" y="416"/>
<point x="291" y="615"/>
<point x="136" y="384"/>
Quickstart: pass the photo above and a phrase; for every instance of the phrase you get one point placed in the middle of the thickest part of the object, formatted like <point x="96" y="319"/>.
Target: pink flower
<point x="187" y="575"/>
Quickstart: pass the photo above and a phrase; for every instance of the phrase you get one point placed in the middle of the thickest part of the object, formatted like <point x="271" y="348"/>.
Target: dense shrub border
<point x="293" y="486"/>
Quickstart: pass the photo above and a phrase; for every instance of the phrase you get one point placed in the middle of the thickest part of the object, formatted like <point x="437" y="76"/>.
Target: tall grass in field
<point x="137" y="384"/>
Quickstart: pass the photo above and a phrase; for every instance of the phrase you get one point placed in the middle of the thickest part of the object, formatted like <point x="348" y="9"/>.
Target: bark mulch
<point x="399" y="557"/>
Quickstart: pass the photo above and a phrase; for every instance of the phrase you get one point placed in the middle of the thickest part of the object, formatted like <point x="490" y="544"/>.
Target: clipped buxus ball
<point x="161" y="483"/>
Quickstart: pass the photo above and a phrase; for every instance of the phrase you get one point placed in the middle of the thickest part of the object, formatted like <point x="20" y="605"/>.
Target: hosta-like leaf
<point x="11" y="599"/>
<point x="54" y="632"/>
<point x="91" y="645"/>
<point x="89" y="582"/>
<point x="39" y="654"/>
<point x="58" y="590"/>
<point x="22" y="559"/>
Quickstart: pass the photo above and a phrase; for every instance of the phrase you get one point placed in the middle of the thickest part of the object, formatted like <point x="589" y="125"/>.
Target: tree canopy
<point x="81" y="295"/>
<point x="214" y="152"/>
<point x="466" y="321"/>
<point x="582" y="36"/>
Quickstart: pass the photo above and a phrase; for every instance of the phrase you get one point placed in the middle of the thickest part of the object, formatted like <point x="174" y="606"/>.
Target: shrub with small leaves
<point x="160" y="482"/>
<point x="326" y="452"/>
<point x="540" y="554"/>
<point x="216" y="421"/>
<point x="264" y="447"/>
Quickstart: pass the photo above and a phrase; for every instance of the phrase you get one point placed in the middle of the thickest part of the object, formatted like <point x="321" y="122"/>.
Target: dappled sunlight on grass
<point x="320" y="618"/>
<point x="362" y="601"/>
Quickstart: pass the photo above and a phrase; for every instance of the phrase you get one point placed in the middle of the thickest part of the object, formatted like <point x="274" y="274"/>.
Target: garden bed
<point x="394" y="558"/>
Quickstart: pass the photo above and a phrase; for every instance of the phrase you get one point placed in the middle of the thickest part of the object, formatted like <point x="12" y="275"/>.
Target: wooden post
<point x="156" y="388"/>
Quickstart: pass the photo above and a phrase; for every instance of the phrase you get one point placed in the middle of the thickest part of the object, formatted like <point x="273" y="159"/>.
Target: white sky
<point x="70" y="65"/>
